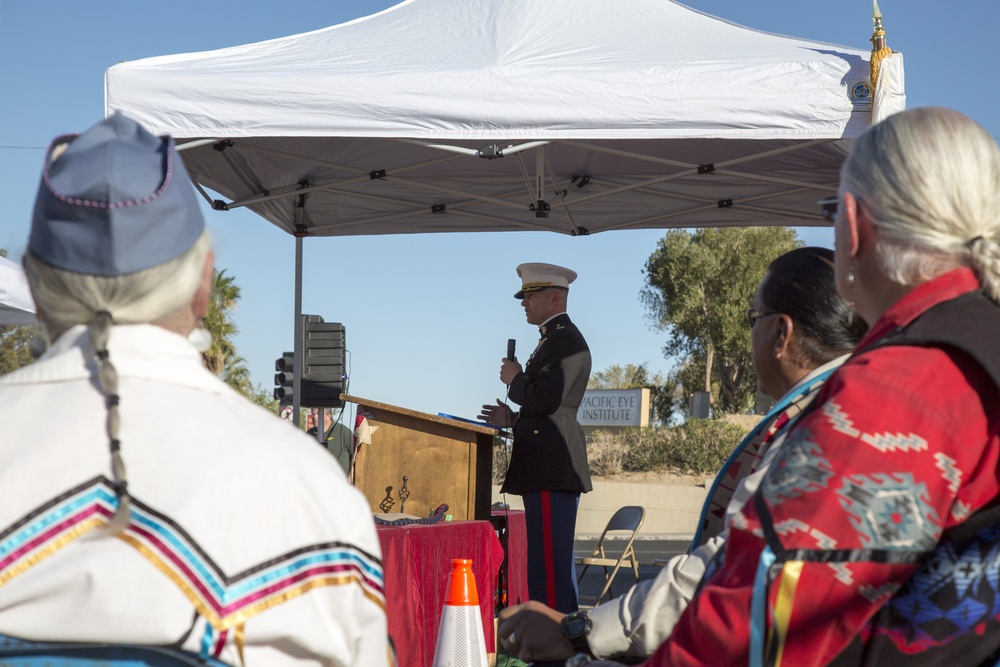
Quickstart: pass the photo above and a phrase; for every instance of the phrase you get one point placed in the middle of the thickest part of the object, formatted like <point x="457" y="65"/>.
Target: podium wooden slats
<point x="445" y="461"/>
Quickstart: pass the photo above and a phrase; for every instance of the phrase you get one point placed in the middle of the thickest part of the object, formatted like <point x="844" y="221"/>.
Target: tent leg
<point x="299" y="352"/>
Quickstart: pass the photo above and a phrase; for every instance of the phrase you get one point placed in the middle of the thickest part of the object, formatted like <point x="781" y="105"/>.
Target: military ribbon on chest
<point x="533" y="352"/>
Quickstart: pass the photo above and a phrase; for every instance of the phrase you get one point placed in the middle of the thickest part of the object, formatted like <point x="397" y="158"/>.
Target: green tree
<point x="687" y="378"/>
<point x="629" y="376"/>
<point x="222" y="358"/>
<point x="15" y="346"/>
<point x="698" y="288"/>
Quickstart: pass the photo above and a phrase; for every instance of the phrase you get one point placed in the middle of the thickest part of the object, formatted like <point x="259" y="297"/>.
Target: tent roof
<point x="16" y="305"/>
<point x="387" y="124"/>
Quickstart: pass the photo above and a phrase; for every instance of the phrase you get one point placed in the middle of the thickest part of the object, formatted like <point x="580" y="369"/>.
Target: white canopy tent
<point x="644" y="114"/>
<point x="571" y="116"/>
<point x="16" y="305"/>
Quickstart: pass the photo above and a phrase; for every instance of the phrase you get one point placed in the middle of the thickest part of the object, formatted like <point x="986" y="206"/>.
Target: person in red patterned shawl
<point x="873" y="539"/>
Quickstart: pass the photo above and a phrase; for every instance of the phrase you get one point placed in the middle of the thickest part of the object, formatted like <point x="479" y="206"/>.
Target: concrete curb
<point x="671" y="511"/>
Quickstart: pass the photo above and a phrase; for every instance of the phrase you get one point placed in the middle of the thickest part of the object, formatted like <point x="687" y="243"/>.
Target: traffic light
<point x="323" y="362"/>
<point x="284" y="377"/>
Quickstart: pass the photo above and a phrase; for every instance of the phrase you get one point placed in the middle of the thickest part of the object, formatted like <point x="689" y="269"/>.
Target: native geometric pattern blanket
<point x="955" y="591"/>
<point x="954" y="595"/>
<point x="224" y="600"/>
<point x="887" y="510"/>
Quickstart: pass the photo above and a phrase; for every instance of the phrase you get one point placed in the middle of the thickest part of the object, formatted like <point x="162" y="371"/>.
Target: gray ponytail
<point x="984" y="258"/>
<point x="99" y="331"/>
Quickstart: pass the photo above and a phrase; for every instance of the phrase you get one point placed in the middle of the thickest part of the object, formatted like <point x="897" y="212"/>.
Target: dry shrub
<point x="606" y="453"/>
<point x="696" y="446"/>
<point x="648" y="448"/>
<point x="745" y="422"/>
<point x="703" y="445"/>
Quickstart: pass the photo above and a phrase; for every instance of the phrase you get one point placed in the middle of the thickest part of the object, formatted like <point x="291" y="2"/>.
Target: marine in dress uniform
<point x="548" y="465"/>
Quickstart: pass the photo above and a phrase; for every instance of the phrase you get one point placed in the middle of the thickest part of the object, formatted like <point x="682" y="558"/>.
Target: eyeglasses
<point x="828" y="207"/>
<point x="754" y="315"/>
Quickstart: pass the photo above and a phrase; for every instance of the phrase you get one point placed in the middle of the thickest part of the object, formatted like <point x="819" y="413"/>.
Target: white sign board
<point x="614" y="407"/>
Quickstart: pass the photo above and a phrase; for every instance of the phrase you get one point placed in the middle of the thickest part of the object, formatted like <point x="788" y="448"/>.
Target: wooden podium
<point x="444" y="460"/>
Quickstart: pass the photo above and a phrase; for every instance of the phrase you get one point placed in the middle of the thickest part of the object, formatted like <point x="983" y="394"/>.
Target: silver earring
<point x="200" y="339"/>
<point x="850" y="277"/>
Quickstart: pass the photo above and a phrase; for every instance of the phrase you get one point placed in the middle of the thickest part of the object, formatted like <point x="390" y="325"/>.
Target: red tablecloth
<point x="512" y="529"/>
<point x="417" y="562"/>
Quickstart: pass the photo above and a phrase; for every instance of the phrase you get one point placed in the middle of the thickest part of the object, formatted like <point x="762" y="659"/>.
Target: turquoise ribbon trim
<point x="758" y="608"/>
<point x="175" y="544"/>
<point x="206" y="642"/>
<point x="57" y="515"/>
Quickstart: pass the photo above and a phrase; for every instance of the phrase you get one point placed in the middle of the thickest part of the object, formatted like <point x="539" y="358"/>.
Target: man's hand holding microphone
<point x="500" y="414"/>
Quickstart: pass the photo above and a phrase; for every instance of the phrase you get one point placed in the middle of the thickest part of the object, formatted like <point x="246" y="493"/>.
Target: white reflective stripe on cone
<point x="460" y="640"/>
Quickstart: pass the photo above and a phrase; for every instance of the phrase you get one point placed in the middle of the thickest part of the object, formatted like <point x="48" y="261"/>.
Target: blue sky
<point x="427" y="316"/>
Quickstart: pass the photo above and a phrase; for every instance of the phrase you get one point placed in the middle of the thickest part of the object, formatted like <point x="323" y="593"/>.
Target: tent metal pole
<point x="540" y="174"/>
<point x="195" y="144"/>
<point x="298" y="351"/>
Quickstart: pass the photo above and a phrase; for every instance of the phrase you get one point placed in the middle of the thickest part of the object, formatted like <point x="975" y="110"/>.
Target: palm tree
<point x="219" y="322"/>
<point x="222" y="358"/>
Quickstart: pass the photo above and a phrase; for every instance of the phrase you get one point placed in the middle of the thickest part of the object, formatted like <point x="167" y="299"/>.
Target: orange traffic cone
<point x="460" y="640"/>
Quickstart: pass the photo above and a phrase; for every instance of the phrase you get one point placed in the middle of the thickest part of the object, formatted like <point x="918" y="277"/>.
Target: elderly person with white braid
<point x="874" y="538"/>
<point x="142" y="501"/>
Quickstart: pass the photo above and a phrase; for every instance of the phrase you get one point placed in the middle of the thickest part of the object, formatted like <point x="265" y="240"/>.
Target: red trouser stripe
<point x="549" y="556"/>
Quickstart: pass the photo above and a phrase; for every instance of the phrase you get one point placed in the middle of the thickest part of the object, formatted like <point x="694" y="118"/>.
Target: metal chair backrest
<point x="628" y="518"/>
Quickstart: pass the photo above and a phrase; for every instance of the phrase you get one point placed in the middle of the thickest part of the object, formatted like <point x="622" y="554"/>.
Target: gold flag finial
<point x="879" y="49"/>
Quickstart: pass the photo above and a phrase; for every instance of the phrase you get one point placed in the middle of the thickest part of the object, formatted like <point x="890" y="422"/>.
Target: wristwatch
<point x="576" y="627"/>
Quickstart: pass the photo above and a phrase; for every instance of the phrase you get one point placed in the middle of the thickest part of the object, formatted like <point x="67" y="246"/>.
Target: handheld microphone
<point x="510" y="348"/>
